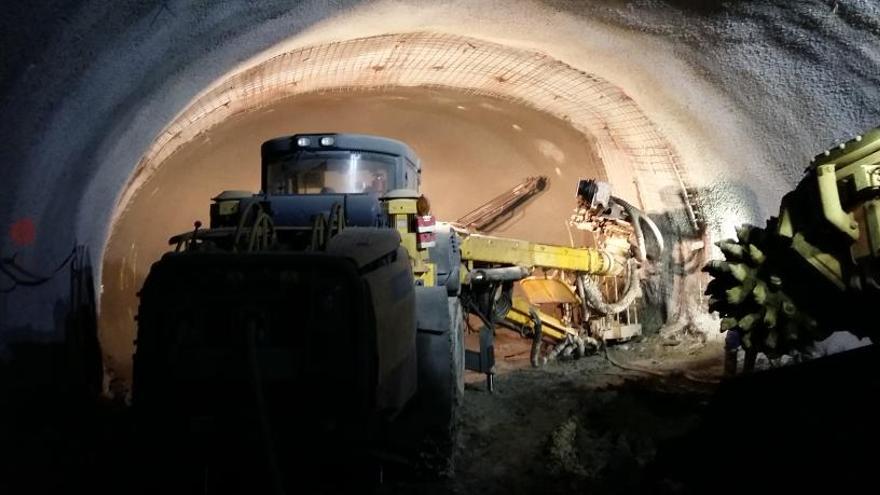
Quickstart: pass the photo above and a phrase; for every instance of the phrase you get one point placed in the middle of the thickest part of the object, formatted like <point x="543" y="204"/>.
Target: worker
<point x="378" y="185"/>
<point x="732" y="345"/>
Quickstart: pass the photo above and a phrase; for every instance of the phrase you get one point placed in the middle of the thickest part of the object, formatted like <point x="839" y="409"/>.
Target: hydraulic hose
<point x="637" y="217"/>
<point x="535" y="356"/>
<point x="593" y="299"/>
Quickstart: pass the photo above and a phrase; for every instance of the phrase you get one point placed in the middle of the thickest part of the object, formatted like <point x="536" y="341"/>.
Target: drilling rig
<point x="328" y="309"/>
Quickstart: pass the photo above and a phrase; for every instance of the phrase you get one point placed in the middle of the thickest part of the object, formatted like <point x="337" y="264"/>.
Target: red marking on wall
<point x="23" y="232"/>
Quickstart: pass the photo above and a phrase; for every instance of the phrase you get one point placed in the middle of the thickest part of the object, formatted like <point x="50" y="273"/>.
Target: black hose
<point x="474" y="309"/>
<point x="637" y="215"/>
<point x="535" y="355"/>
<point x="503" y="305"/>
<point x="6" y="264"/>
<point x="662" y="374"/>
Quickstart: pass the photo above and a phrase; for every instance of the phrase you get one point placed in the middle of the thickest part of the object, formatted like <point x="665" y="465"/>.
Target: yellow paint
<point x="830" y="199"/>
<point x="401" y="206"/>
<point x="550" y="326"/>
<point x="547" y="290"/>
<point x="488" y="249"/>
<point x="429" y="275"/>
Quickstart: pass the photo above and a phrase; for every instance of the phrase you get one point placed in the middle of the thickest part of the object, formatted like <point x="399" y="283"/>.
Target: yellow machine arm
<point x="483" y="249"/>
<point x="480" y="251"/>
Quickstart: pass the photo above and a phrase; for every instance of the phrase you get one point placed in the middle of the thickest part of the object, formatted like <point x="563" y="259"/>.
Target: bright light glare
<point x="352" y="171"/>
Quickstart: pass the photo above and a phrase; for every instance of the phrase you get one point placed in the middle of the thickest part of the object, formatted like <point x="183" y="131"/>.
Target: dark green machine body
<point x="293" y="328"/>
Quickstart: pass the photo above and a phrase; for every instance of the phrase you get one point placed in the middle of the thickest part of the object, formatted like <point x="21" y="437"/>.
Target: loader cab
<point x="321" y="164"/>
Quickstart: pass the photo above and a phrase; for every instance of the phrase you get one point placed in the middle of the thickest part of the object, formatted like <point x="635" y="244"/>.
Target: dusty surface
<point x="582" y="426"/>
<point x="472" y="149"/>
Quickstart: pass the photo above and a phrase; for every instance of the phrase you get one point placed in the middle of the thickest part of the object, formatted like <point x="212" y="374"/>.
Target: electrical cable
<point x="8" y="266"/>
<point x="663" y="374"/>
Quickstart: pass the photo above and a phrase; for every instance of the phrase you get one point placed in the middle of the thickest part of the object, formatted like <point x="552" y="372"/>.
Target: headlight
<point x="303" y="141"/>
<point x="327" y="141"/>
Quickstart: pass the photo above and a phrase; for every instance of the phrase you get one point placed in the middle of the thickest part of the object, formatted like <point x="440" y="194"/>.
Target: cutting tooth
<point x="756" y="254"/>
<point x="727" y="324"/>
<point x="770" y="318"/>
<point x="747" y="321"/>
<point x="717" y="266"/>
<point x="736" y="295"/>
<point x="739" y="271"/>
<point x="759" y="293"/>
<point x="731" y="249"/>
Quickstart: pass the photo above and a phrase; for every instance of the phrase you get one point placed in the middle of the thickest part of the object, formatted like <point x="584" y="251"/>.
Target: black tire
<point x="427" y="430"/>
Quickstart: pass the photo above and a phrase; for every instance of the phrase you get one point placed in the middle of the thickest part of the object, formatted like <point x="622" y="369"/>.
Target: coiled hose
<point x="593" y="299"/>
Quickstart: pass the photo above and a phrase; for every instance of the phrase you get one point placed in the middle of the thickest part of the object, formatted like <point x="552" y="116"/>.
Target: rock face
<point x="746" y="91"/>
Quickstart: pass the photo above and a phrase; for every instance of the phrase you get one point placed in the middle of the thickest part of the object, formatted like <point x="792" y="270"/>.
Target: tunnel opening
<point x="590" y="129"/>
<point x="472" y="147"/>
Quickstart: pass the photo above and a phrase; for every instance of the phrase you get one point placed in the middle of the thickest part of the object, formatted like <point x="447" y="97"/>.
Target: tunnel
<point x="122" y="120"/>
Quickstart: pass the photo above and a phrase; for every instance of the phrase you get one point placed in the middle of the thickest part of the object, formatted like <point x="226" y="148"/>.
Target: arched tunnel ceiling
<point x="743" y="92"/>
<point x="630" y="145"/>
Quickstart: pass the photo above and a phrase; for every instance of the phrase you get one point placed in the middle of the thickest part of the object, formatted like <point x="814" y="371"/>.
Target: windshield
<point x="329" y="172"/>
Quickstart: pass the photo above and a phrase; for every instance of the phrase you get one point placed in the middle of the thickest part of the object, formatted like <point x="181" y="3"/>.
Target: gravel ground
<point x="581" y="426"/>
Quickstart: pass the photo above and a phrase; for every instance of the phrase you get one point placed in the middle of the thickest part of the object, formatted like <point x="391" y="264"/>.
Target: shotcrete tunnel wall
<point x="629" y="144"/>
<point x="729" y="98"/>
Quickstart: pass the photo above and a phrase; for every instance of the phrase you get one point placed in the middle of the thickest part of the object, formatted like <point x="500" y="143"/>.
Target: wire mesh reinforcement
<point x="628" y="142"/>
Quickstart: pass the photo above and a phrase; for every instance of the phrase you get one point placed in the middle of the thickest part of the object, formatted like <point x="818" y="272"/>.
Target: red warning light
<point x="23" y="232"/>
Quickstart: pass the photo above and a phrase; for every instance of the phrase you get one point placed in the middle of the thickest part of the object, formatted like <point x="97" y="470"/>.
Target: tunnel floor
<point x="584" y="425"/>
